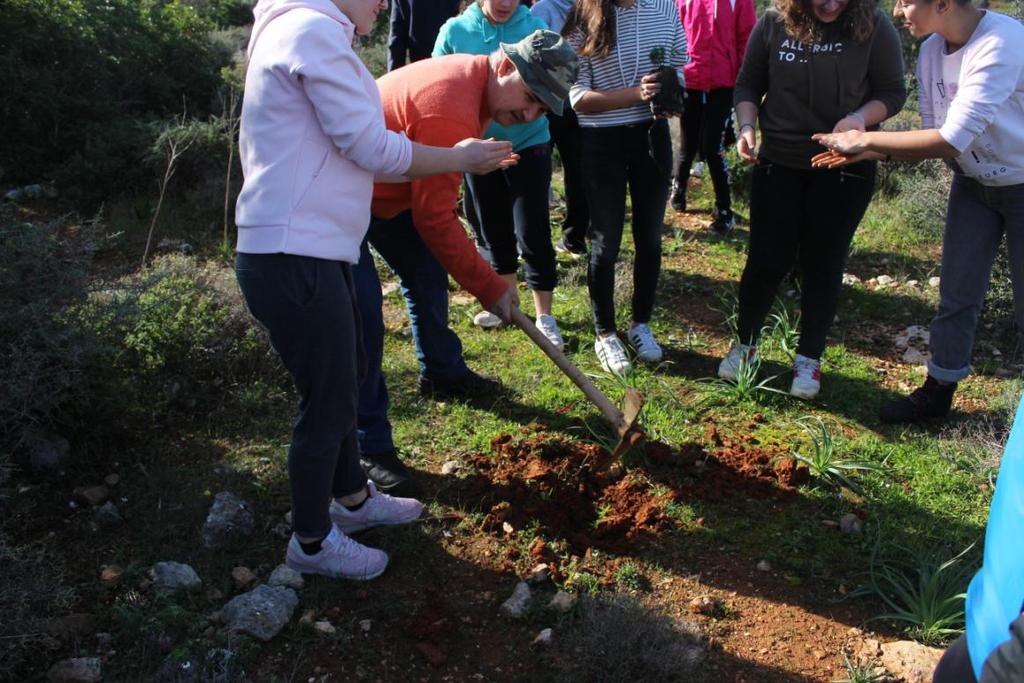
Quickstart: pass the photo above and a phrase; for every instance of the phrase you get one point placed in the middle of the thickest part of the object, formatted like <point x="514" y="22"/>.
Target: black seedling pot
<point x="669" y="100"/>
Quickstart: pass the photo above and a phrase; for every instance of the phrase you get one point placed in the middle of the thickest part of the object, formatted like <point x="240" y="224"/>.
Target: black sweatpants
<point x="308" y="306"/>
<point x="805" y="214"/>
<point x="566" y="136"/>
<point x="639" y="156"/>
<point x="704" y="121"/>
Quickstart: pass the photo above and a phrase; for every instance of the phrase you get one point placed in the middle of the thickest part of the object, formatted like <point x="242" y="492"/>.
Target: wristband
<point x="857" y="115"/>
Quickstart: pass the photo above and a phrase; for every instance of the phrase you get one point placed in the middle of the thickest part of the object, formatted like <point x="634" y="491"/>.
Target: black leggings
<point x="805" y="214"/>
<point x="703" y="125"/>
<point x="641" y="156"/>
<point x="566" y="136"/>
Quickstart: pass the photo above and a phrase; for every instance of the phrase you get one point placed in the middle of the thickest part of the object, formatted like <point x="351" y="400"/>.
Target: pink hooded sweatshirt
<point x="312" y="135"/>
<point x="716" y="32"/>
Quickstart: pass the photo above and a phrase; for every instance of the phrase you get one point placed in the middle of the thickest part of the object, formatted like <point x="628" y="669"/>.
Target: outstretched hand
<point x="844" y="148"/>
<point x="504" y="305"/>
<point x="480" y="157"/>
<point x="833" y="159"/>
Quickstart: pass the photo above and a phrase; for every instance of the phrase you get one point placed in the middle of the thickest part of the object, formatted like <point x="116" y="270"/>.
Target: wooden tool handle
<point x="607" y="408"/>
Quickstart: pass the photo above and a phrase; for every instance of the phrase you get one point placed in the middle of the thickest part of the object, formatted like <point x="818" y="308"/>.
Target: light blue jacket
<point x="471" y="33"/>
<point x="996" y="594"/>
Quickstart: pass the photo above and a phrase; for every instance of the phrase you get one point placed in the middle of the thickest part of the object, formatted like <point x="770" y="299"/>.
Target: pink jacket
<point x="717" y="33"/>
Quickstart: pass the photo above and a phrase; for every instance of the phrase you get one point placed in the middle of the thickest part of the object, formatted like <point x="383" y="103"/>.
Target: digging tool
<point x="624" y="422"/>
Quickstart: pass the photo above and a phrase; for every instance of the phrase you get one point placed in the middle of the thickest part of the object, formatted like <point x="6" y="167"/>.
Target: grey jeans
<point x="976" y="219"/>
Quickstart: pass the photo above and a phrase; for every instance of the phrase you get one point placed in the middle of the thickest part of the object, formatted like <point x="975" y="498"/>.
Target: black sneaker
<point x="467" y="386"/>
<point x="927" y="401"/>
<point x="389" y="474"/>
<point x="678" y="198"/>
<point x="573" y="250"/>
<point x="724" y="221"/>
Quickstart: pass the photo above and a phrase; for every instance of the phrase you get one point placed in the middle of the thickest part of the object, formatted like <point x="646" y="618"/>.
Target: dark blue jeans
<point x="511" y="217"/>
<point x="308" y="307"/>
<point x="424" y="284"/>
<point x="640" y="157"/>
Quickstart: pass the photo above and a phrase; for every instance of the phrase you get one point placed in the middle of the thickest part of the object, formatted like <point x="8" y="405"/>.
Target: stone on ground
<point x="46" y="451"/>
<point x="287" y="577"/>
<point x="851" y="524"/>
<point x="262" y="612"/>
<point x="243" y="577"/>
<point x="108" y="516"/>
<point x="76" y="670"/>
<point x="562" y="602"/>
<point x="543" y="638"/>
<point x="518" y="603"/>
<point x="219" y="665"/>
<point x="230" y="519"/>
<point x="170" y="577"/>
<point x="909" y="661"/>
<point x="93" y="496"/>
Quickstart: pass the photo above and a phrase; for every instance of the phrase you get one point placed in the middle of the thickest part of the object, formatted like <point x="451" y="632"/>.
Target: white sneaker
<point x="380" y="509"/>
<point x="730" y="365"/>
<point x="487" y="320"/>
<point x="642" y="339"/>
<point x="340" y="558"/>
<point x="612" y="355"/>
<point x="806" y="377"/>
<point x="549" y="326"/>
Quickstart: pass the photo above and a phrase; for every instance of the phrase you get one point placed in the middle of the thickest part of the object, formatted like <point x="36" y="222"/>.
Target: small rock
<point x="850" y="279"/>
<point x="46" y="451"/>
<point x="449" y="467"/>
<point x="243" y="576"/>
<point x="615" y="471"/>
<point x="307" y="618"/>
<point x="820" y="654"/>
<point x="76" y="670"/>
<point x="214" y="594"/>
<point x="110" y="575"/>
<point x="325" y="628"/>
<point x="933" y="282"/>
<point x="912" y="283"/>
<point x="884" y="280"/>
<point x="764" y="566"/>
<point x="540" y="574"/>
<point x="543" y="638"/>
<point x="108" y="516"/>
<point x="518" y="603"/>
<point x="90" y="495"/>
<point x="217" y="665"/>
<point x="435" y="655"/>
<point x="909" y="661"/>
<point x="914" y="356"/>
<point x="507" y="528"/>
<point x="562" y="602"/>
<point x="230" y="519"/>
<point x="365" y="625"/>
<point x="169" y="577"/>
<point x="705" y="604"/>
<point x="830" y="523"/>
<point x="287" y="577"/>
<point x="388" y="288"/>
<point x="112" y="480"/>
<point x="262" y="612"/>
<point x="851" y="524"/>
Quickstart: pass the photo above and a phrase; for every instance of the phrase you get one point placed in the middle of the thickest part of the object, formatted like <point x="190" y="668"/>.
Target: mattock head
<point x="629" y="433"/>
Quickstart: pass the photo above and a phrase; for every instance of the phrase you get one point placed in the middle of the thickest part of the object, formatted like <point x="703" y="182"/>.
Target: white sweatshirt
<point x="312" y="135"/>
<point x="975" y="97"/>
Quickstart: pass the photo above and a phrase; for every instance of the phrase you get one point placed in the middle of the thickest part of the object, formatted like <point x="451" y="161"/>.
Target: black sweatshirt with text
<point x="807" y="88"/>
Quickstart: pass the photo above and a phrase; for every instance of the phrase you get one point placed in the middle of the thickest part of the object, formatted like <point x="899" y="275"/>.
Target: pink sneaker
<point x="380" y="509"/>
<point x="340" y="558"/>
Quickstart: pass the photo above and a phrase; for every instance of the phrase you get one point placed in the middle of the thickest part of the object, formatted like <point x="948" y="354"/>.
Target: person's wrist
<point x="857" y="115"/>
<point x="747" y="125"/>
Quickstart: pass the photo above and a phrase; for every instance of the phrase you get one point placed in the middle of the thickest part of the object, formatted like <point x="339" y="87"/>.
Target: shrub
<point x="84" y="78"/>
<point x="921" y="190"/>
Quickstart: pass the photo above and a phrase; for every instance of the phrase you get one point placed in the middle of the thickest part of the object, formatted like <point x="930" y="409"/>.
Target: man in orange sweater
<point x="417" y="231"/>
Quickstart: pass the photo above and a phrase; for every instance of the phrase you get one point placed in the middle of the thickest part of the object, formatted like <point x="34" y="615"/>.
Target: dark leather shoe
<point x="467" y="386"/>
<point x="389" y="474"/>
<point x="928" y="401"/>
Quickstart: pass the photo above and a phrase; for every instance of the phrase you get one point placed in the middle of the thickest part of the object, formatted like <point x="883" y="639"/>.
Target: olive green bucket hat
<point x="547" y="64"/>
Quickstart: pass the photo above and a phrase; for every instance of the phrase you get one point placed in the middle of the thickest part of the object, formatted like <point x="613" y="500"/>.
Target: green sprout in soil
<point x="862" y="672"/>
<point x="785" y="329"/>
<point x="746" y="385"/>
<point x="628" y="576"/>
<point x="926" y="593"/>
<point x="823" y="459"/>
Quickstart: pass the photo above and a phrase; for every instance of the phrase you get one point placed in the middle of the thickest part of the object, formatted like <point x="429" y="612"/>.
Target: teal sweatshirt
<point x="471" y="33"/>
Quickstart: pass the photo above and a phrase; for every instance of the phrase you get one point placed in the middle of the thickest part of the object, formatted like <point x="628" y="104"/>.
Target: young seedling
<point x="862" y="672"/>
<point x="746" y="385"/>
<point x="925" y="593"/>
<point x="785" y="328"/>
<point x="823" y="459"/>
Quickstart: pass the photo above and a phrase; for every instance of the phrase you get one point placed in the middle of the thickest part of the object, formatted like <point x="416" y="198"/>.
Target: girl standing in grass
<point x="810" y="65"/>
<point x="311" y="141"/>
<point x="624" y="146"/>
<point x="971" y="76"/>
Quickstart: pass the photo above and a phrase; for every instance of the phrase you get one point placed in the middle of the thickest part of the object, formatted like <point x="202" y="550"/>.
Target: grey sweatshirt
<point x="806" y="89"/>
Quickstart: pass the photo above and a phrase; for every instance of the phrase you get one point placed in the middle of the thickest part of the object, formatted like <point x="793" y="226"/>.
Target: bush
<point x="921" y="190"/>
<point x="84" y="80"/>
<point x="47" y="363"/>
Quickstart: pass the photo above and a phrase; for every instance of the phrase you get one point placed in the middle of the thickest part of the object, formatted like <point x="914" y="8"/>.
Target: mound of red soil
<point x="566" y="490"/>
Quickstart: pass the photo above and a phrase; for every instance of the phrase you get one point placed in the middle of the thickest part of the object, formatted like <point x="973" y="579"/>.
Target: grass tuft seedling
<point x="860" y="672"/>
<point x="926" y="594"/>
<point x="784" y="329"/>
<point x="746" y="385"/>
<point x="823" y="459"/>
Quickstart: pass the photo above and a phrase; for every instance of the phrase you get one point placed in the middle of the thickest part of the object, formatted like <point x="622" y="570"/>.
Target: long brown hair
<point x="857" y="21"/>
<point x="596" y="21"/>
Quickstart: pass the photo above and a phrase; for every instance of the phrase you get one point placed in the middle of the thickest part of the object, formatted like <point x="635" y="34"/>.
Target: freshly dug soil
<point x="568" y="490"/>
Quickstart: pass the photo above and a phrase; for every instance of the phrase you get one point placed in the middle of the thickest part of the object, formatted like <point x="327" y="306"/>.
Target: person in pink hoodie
<point x="312" y="141"/>
<point x="717" y="31"/>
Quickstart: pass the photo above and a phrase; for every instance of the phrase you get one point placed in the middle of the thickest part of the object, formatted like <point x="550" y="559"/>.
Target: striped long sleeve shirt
<point x="641" y="30"/>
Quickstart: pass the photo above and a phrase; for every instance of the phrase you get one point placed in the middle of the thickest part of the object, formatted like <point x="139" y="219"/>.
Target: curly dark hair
<point x="857" y="22"/>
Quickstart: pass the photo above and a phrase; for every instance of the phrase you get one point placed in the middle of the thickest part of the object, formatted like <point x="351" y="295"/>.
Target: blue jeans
<point x="976" y="220"/>
<point x="307" y="306"/>
<point x="424" y="284"/>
